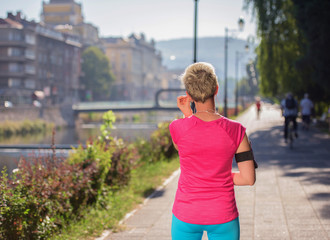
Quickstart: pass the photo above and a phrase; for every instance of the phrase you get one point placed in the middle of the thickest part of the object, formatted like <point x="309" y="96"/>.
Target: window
<point x="14" y="36"/>
<point x="59" y="61"/>
<point x="10" y="36"/>
<point x="30" y="83"/>
<point x="40" y="57"/>
<point x="29" y="68"/>
<point x="15" y="52"/>
<point x="14" y="82"/>
<point x="44" y="58"/>
<point x="29" y="38"/>
<point x="53" y="59"/>
<point x="14" y="67"/>
<point x="29" y="53"/>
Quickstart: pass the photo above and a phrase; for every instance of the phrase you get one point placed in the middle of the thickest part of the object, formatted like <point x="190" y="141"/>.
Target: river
<point x="129" y="131"/>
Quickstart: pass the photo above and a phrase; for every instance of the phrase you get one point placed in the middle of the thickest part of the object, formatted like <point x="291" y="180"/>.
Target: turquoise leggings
<point x="187" y="231"/>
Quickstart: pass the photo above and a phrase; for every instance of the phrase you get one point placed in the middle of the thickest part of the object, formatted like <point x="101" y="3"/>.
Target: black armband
<point x="245" y="156"/>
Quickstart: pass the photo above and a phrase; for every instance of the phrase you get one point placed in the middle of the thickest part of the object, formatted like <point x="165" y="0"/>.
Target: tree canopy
<point x="97" y="75"/>
<point x="293" y="50"/>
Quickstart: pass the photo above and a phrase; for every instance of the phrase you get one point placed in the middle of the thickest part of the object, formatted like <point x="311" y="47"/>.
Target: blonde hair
<point x="200" y="81"/>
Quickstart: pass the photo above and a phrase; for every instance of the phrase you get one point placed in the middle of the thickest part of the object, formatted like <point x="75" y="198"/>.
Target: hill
<point x="178" y="53"/>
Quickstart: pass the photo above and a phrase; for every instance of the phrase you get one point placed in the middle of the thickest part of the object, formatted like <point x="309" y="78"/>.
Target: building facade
<point x="66" y="16"/>
<point x="137" y="66"/>
<point x="35" y="58"/>
<point x="61" y="12"/>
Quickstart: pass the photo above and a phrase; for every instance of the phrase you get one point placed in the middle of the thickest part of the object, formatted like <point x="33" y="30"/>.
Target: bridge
<point x="156" y="105"/>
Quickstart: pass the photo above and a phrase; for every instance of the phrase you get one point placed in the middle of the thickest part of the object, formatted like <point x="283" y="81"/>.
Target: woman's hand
<point x="183" y="103"/>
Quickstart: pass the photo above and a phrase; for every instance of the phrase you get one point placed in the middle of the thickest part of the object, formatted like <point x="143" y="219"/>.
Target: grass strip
<point x="114" y="206"/>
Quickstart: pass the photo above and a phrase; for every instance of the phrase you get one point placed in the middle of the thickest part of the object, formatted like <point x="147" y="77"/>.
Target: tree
<point x="281" y="46"/>
<point x="313" y="19"/>
<point x="294" y="49"/>
<point x="97" y="75"/>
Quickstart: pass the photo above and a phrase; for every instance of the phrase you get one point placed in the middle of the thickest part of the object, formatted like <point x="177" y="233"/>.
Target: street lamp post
<point x="195" y="33"/>
<point x="237" y="59"/>
<point x="241" y="26"/>
<point x="236" y="83"/>
<point x="226" y="63"/>
<point x="192" y="104"/>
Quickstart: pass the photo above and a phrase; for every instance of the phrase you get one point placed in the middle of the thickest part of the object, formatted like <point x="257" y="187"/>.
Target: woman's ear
<point x="216" y="91"/>
<point x="189" y="97"/>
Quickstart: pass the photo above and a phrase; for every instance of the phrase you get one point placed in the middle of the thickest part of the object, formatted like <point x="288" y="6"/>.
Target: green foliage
<point x="313" y="20"/>
<point x="124" y="158"/>
<point x="46" y="193"/>
<point x="41" y="196"/>
<point x="108" y="119"/>
<point x="159" y="147"/>
<point x="293" y="54"/>
<point x="9" y="128"/>
<point x="136" y="118"/>
<point x="97" y="73"/>
<point x="280" y="47"/>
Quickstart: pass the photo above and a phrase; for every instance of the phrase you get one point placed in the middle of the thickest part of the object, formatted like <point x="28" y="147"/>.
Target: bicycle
<point x="291" y="134"/>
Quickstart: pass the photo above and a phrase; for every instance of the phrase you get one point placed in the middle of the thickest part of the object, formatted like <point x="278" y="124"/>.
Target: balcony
<point x="12" y="58"/>
<point x="12" y="74"/>
<point x="21" y="43"/>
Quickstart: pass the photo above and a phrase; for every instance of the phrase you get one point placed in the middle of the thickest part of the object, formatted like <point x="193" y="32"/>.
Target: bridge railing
<point x="157" y="104"/>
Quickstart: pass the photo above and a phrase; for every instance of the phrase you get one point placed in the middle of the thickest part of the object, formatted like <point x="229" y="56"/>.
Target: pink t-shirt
<point x="205" y="193"/>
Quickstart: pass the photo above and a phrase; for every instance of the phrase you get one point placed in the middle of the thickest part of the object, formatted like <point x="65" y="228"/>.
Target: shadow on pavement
<point x="308" y="161"/>
<point x="153" y="193"/>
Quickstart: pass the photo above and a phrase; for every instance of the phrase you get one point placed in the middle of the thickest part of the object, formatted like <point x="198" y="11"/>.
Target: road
<point x="290" y="200"/>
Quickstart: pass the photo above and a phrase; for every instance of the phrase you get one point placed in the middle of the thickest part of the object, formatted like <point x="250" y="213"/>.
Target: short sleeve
<point x="240" y="134"/>
<point x="173" y="131"/>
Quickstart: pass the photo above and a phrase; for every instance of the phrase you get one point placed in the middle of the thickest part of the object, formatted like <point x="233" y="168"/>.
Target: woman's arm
<point x="246" y="174"/>
<point x="176" y="146"/>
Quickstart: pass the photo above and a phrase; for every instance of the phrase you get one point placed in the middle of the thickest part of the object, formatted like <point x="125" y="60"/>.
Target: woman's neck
<point x="206" y="111"/>
<point x="207" y="105"/>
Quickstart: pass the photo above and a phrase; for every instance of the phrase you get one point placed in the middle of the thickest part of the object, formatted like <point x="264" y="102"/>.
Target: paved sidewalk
<point x="290" y="200"/>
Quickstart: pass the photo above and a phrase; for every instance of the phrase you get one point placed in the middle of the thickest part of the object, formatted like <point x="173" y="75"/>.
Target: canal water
<point x="128" y="131"/>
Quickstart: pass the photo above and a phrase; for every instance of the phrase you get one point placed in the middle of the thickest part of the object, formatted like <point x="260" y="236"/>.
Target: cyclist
<point x="289" y="108"/>
<point x="306" y="111"/>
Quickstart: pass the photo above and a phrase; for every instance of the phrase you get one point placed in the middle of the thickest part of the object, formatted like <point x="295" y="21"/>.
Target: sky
<point x="157" y="19"/>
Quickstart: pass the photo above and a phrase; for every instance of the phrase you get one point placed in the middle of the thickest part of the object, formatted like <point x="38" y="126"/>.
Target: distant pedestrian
<point x="207" y="143"/>
<point x="258" y="106"/>
<point x="307" y="107"/>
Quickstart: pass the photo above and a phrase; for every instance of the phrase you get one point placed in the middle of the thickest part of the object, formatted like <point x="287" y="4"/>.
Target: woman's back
<point x="206" y="192"/>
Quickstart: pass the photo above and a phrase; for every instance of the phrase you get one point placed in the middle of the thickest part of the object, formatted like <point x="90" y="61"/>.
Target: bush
<point x="41" y="196"/>
<point x="45" y="193"/>
<point x="159" y="147"/>
<point x="124" y="159"/>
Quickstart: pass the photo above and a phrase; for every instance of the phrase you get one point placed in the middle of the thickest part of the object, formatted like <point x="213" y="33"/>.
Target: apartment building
<point x="34" y="58"/>
<point x="137" y="66"/>
<point x="66" y="16"/>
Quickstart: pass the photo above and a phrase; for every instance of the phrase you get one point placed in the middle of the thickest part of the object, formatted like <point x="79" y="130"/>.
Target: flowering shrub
<point x="41" y="195"/>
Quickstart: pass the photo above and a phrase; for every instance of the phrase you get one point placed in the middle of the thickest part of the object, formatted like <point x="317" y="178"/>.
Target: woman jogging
<point x="207" y="143"/>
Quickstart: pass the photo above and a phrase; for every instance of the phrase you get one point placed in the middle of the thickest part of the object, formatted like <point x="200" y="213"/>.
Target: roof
<point x="11" y="23"/>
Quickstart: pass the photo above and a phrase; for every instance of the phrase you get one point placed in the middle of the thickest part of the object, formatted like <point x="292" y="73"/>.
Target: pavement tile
<point x="308" y="234"/>
<point x="290" y="200"/>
